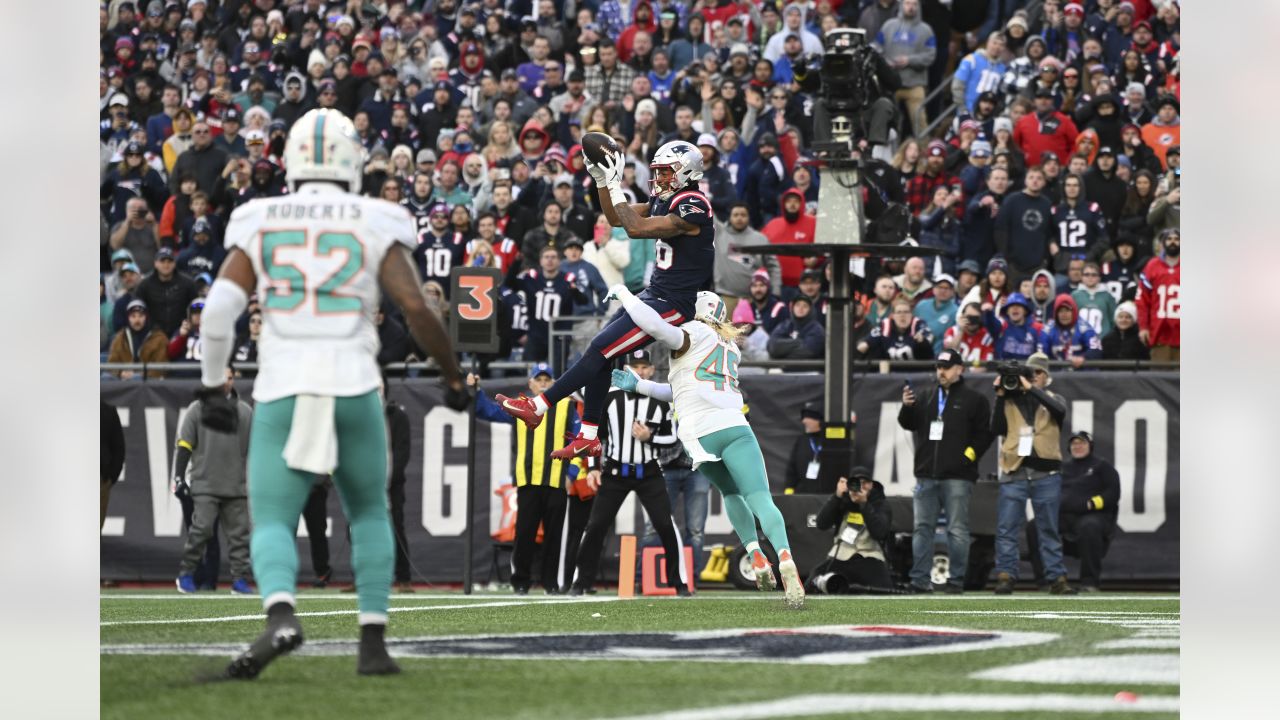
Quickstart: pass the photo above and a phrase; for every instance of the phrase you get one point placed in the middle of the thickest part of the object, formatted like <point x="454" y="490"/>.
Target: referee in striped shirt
<point x="636" y="428"/>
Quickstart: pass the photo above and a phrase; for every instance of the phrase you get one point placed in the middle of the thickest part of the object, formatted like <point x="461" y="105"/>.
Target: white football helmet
<point x="323" y="145"/>
<point x="685" y="161"/>
<point x="709" y="305"/>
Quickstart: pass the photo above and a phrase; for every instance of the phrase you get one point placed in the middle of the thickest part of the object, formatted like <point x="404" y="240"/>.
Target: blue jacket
<point x="803" y="340"/>
<point x="1078" y="339"/>
<point x="941" y="229"/>
<point x="591" y="284"/>
<point x="1014" y="342"/>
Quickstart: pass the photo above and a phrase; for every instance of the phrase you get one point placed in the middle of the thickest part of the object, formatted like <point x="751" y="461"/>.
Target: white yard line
<point x="329" y="613"/>
<point x="1051" y="614"/>
<point x="830" y="704"/>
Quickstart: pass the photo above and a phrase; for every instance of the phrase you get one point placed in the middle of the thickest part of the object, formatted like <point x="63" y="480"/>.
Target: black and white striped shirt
<point x="623" y="408"/>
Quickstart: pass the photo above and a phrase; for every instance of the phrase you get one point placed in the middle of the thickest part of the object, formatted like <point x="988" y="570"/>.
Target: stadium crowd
<point x="1052" y="193"/>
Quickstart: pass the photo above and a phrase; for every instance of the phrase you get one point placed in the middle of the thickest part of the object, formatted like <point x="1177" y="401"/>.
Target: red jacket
<point x="1058" y="133"/>
<point x="780" y="232"/>
<point x="1159" y="302"/>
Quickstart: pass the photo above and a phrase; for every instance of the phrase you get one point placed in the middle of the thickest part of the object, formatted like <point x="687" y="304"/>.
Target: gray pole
<point x="470" y="495"/>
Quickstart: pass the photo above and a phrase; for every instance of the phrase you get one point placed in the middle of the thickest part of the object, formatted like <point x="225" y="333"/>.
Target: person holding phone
<point x="952" y="430"/>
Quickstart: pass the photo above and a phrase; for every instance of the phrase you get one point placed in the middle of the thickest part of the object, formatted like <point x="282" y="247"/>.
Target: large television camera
<point x="847" y="83"/>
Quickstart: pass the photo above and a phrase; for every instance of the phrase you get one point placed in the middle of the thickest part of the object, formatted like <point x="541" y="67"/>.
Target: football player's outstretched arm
<point x="611" y="212"/>
<point x="629" y="381"/>
<point x="228" y="297"/>
<point x="648" y="320"/>
<point x="399" y="278"/>
<point x="665" y="226"/>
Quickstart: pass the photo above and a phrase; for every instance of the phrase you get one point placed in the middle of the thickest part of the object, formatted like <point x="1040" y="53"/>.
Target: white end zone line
<point x="832" y="704"/>
<point x="329" y="613"/>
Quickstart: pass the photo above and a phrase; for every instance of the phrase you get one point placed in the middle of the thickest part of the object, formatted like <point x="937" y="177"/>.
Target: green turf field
<point x="910" y="657"/>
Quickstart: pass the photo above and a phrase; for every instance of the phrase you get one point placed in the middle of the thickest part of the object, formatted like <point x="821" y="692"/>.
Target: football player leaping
<point x="705" y="396"/>
<point x="679" y="217"/>
<point x="316" y="258"/>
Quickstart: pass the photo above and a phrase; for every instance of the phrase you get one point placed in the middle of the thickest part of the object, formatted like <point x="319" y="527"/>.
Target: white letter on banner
<point x="499" y="470"/>
<point x="1082" y="416"/>
<point x="166" y="511"/>
<point x="1155" y="470"/>
<point x="895" y="453"/>
<point x="436" y="475"/>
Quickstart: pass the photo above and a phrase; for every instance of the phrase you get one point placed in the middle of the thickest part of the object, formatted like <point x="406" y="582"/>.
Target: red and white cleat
<point x="765" y="581"/>
<point x="791" y="583"/>
<point x="578" y="447"/>
<point x="520" y="408"/>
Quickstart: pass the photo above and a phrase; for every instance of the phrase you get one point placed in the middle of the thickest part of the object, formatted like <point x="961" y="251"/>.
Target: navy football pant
<point x="619" y="337"/>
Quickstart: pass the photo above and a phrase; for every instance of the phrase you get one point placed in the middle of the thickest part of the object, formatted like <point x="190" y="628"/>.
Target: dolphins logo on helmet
<point x="683" y="159"/>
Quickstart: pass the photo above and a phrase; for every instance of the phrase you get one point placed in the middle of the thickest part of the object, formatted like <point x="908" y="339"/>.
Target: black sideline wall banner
<point x="1134" y="418"/>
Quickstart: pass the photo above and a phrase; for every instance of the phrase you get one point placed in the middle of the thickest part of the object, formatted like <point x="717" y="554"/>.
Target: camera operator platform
<point x="856" y="90"/>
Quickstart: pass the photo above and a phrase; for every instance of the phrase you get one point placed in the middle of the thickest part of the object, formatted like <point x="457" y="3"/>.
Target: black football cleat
<point x="282" y="636"/>
<point x="374" y="659"/>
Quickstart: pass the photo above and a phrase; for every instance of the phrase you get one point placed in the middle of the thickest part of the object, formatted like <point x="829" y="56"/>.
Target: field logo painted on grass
<point x="822" y="645"/>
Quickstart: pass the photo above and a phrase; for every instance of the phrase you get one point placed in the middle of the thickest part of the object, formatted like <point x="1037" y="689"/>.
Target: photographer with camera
<point x="951" y="433"/>
<point x="1028" y="417"/>
<point x="864" y="526"/>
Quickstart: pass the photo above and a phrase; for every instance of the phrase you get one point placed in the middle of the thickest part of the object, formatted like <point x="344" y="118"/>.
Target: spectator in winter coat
<point x="1123" y="342"/>
<point x="187" y="345"/>
<point x="767" y="310"/>
<point x="909" y="45"/>
<point x="1023" y="227"/>
<point x="166" y="292"/>
<point x="765" y="180"/>
<point x="977" y="240"/>
<point x="1045" y="129"/>
<point x="1104" y="188"/>
<point x="1042" y="293"/>
<point x="131" y="178"/>
<point x="1017" y="336"/>
<point x="1097" y="306"/>
<point x="203" y="255"/>
<point x="203" y="161"/>
<point x="1088" y="508"/>
<point x="981" y="70"/>
<point x="793" y="226"/>
<point x="799" y="337"/>
<point x="138" y="342"/>
<point x="920" y="188"/>
<point x="137" y="234"/>
<point x="1140" y="156"/>
<point x="1105" y="120"/>
<point x="1081" y="228"/>
<point x="735" y="270"/>
<point x="901" y="336"/>
<point x="1166" y="210"/>
<point x="586" y="277"/>
<point x="793" y="24"/>
<point x="1068" y="337"/>
<point x="941" y="228"/>
<point x="939" y="310"/>
<point x="1165" y="131"/>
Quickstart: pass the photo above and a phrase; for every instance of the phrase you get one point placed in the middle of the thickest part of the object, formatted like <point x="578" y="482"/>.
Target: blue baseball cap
<point x="540" y="369"/>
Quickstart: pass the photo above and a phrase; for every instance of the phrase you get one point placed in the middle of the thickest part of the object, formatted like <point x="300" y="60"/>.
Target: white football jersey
<point x="704" y="385"/>
<point x="317" y="254"/>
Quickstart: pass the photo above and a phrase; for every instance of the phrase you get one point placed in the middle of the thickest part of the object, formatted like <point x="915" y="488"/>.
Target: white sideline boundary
<point x="330" y="613"/>
<point x="713" y="595"/>
<point x="833" y="704"/>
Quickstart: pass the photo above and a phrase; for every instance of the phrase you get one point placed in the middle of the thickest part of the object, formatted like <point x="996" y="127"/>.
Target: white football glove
<point x="597" y="173"/>
<point x="612" y="166"/>
<point x="617" y="292"/>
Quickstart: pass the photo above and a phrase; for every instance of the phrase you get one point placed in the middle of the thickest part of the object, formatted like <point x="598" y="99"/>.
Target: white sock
<point x="540" y="404"/>
<point x="753" y="547"/>
<point x="589" y="430"/>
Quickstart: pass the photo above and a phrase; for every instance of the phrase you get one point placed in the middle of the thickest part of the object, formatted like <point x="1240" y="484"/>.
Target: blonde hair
<point x="726" y="330"/>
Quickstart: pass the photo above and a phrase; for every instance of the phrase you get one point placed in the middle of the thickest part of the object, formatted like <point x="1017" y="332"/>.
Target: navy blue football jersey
<point x="685" y="263"/>
<point x="437" y="256"/>
<point x="1080" y="228"/>
<point x="546" y="300"/>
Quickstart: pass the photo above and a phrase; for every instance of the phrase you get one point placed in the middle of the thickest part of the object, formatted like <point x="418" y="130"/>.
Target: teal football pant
<point x="741" y="478"/>
<point x="278" y="493"/>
